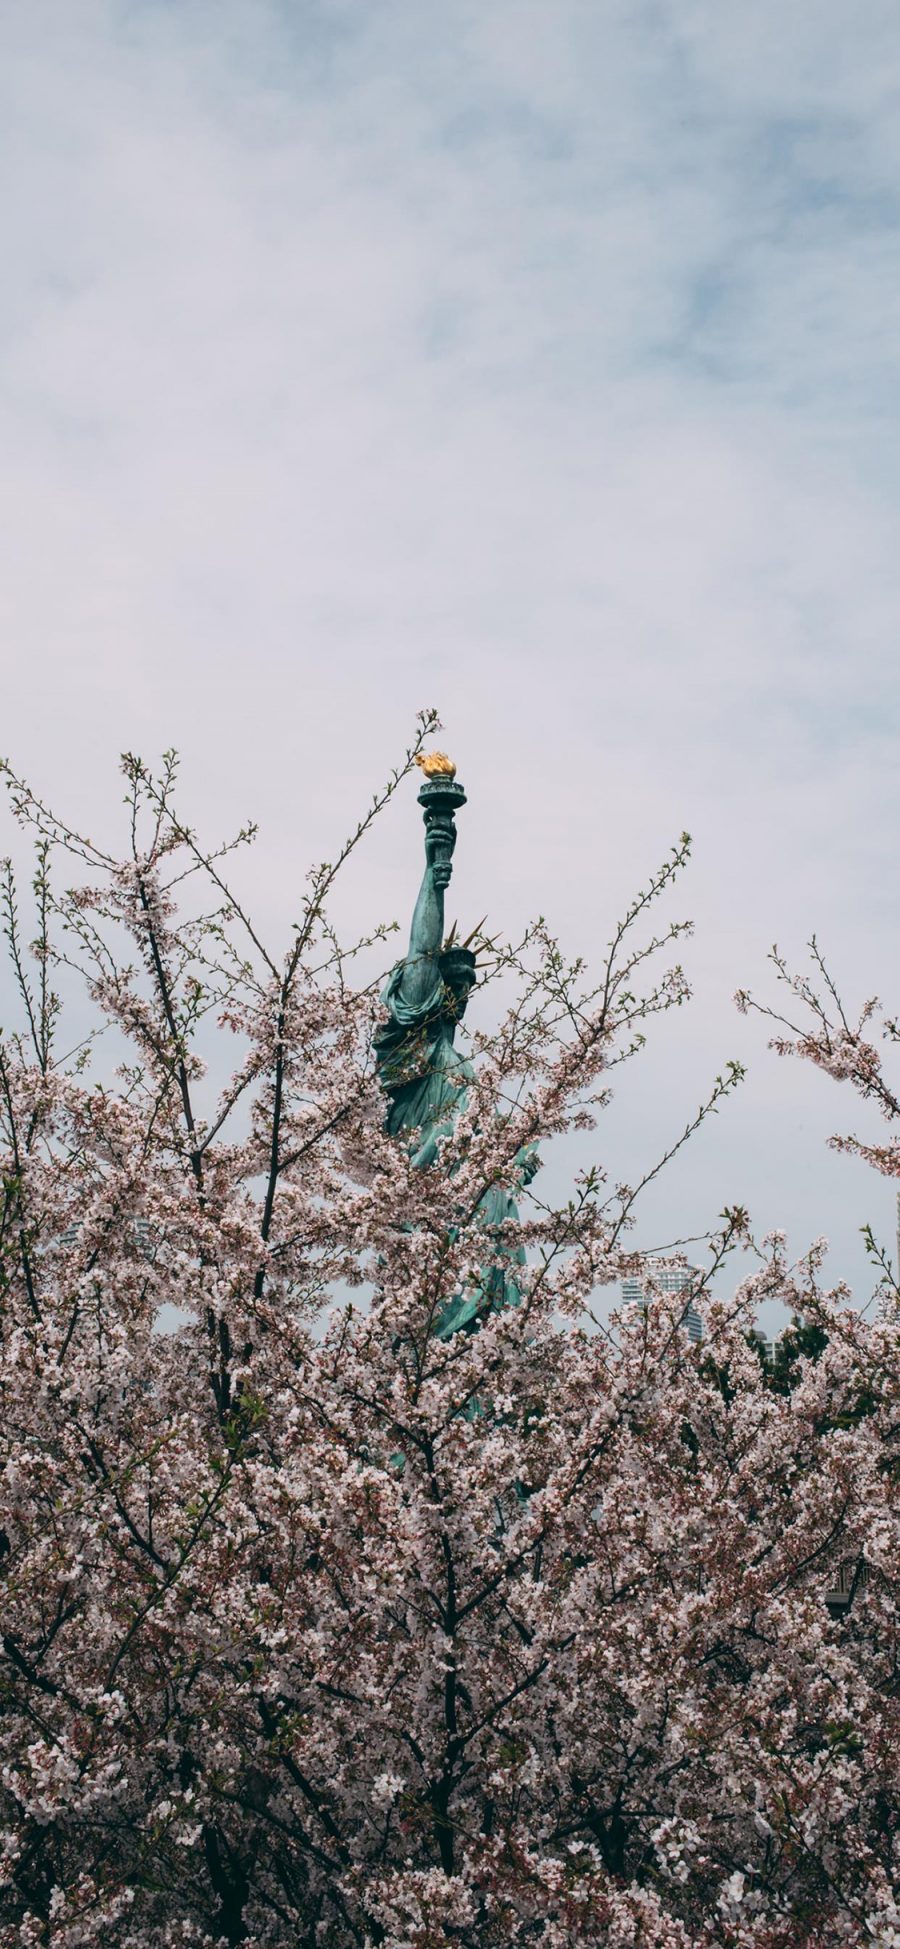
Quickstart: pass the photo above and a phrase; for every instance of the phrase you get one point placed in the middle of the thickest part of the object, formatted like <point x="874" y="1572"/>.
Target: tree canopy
<point x="321" y="1629"/>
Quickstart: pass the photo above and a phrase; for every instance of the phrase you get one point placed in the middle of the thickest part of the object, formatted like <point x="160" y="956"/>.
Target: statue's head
<point x="457" y="965"/>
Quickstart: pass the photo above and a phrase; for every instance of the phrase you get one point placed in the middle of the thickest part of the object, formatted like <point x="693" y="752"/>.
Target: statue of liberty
<point x="423" y="1073"/>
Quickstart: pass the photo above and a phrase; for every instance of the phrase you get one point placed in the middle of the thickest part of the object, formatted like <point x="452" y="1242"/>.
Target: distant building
<point x="670" y="1279"/>
<point x="764" y="1343"/>
<point x="852" y="1576"/>
<point x="142" y="1228"/>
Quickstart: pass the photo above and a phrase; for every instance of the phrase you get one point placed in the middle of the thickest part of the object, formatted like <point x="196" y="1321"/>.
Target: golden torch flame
<point x="436" y="764"/>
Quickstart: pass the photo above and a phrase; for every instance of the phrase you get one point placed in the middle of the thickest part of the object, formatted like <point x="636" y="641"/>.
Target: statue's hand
<point x="439" y="844"/>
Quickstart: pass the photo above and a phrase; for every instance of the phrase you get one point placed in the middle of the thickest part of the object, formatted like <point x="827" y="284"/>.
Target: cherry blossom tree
<point x="321" y="1629"/>
<point x="839" y="1042"/>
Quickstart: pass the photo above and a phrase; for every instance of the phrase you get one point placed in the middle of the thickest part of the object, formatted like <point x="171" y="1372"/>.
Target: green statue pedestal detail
<point x="423" y="1073"/>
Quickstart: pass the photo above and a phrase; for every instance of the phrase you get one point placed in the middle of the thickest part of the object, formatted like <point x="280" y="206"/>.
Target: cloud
<point x="538" y="361"/>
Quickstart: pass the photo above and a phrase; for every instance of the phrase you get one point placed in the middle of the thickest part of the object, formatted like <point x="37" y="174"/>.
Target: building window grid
<point x="669" y="1279"/>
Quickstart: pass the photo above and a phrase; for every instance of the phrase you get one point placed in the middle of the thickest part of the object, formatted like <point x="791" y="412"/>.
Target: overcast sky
<point x="536" y="359"/>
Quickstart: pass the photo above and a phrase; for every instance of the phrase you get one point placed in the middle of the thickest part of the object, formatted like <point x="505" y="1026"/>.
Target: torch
<point x="440" y="796"/>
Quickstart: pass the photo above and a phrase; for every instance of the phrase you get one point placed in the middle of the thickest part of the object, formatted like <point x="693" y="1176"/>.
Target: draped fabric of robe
<point x="426" y="1079"/>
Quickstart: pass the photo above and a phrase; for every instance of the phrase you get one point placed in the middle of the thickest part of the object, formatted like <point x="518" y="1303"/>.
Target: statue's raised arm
<point x="426" y="994"/>
<point x="421" y="969"/>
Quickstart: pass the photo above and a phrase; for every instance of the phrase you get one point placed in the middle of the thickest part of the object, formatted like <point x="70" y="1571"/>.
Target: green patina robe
<point x="426" y="1080"/>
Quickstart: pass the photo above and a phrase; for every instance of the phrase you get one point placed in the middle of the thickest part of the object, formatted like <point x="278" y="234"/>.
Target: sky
<point x="533" y="359"/>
